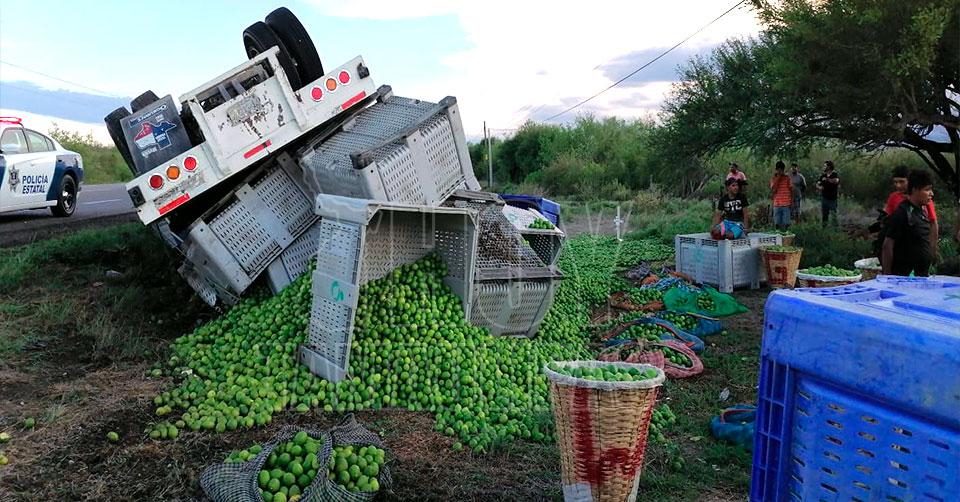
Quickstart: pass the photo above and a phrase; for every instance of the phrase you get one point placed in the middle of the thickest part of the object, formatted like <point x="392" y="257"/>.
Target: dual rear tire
<point x="298" y="56"/>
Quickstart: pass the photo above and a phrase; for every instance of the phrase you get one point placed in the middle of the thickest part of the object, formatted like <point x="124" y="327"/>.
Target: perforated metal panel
<point x="295" y="260"/>
<point x="409" y="150"/>
<point x="246" y="238"/>
<point x="286" y="201"/>
<point x="512" y="307"/>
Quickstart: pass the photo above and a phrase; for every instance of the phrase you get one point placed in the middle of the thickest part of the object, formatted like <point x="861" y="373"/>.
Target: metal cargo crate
<point x="234" y="243"/>
<point x="295" y="260"/>
<point x="513" y="287"/>
<point x="360" y="241"/>
<point x="397" y="150"/>
<point x="546" y="242"/>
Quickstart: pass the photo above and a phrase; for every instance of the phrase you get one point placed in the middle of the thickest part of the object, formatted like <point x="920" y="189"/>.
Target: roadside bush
<point x="101" y="163"/>
<point x="829" y="245"/>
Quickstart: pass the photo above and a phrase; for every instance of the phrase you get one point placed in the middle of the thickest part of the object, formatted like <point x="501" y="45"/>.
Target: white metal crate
<point x="547" y="243"/>
<point x="397" y="150"/>
<point x="514" y="288"/>
<point x="295" y="260"/>
<point x="234" y="243"/>
<point x="360" y="241"/>
<point x="726" y="264"/>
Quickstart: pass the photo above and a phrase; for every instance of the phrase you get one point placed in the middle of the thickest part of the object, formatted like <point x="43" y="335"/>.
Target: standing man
<point x="781" y="193"/>
<point x="899" y="194"/>
<point x="799" y="190"/>
<point x="907" y="247"/>
<point x="829" y="186"/>
<point x="736" y="174"/>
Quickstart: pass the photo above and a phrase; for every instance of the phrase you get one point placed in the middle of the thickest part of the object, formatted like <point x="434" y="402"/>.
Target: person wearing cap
<point x="781" y="194"/>
<point x="731" y="220"/>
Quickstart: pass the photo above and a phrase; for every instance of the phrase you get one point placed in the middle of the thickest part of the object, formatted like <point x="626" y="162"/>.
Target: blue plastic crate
<point x="859" y="394"/>
<point x="547" y="207"/>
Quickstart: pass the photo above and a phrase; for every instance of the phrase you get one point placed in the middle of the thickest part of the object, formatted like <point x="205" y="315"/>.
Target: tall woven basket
<point x="602" y="431"/>
<point x="781" y="267"/>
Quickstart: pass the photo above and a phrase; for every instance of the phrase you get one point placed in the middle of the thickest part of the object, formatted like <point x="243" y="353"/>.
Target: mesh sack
<point x="706" y="325"/>
<point x="350" y="432"/>
<point x="736" y="425"/>
<point x="237" y="482"/>
<point x="672" y="332"/>
<point x="645" y="352"/>
<point x="681" y="300"/>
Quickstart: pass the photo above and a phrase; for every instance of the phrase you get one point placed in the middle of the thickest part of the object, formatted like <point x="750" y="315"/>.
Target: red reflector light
<point x="156" y="181"/>
<point x="173" y="172"/>
<point x="331" y="84"/>
<point x="344" y="77"/>
<point x="316" y="93"/>
<point x="190" y="163"/>
<point x="11" y="120"/>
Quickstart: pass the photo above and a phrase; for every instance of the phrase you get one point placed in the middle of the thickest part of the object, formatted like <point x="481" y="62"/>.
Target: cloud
<point x="663" y="69"/>
<point x="71" y="105"/>
<point x="530" y="58"/>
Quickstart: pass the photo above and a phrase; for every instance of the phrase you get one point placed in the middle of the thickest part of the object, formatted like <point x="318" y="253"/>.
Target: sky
<point x="506" y="62"/>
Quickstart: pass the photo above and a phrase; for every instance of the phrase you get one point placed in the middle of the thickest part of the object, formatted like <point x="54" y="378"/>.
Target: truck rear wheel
<point x="116" y="133"/>
<point x="258" y="37"/>
<point x="142" y="101"/>
<point x="295" y="37"/>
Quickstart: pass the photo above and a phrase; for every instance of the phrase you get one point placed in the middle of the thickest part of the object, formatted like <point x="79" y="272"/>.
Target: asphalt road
<point x="99" y="205"/>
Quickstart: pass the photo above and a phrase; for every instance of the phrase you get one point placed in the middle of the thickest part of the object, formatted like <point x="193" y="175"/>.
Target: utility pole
<point x="486" y="135"/>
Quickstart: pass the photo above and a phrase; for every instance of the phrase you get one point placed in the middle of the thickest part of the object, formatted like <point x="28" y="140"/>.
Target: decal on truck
<point x="153" y="135"/>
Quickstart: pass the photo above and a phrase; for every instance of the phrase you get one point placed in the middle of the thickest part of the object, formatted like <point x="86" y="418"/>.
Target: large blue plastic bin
<point x="859" y="394"/>
<point x="548" y="208"/>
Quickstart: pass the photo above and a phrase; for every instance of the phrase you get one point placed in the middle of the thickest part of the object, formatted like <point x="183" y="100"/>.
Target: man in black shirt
<point x="907" y="247"/>
<point x="829" y="186"/>
<point x="731" y="219"/>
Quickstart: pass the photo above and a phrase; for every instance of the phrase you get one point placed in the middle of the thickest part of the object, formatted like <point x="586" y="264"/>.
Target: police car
<point x="36" y="171"/>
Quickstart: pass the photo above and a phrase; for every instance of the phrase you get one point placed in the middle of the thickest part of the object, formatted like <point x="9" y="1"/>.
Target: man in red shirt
<point x="900" y="194"/>
<point x="781" y="191"/>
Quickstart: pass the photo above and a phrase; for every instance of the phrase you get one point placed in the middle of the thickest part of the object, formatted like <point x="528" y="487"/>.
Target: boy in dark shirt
<point x="829" y="186"/>
<point x="732" y="218"/>
<point x="907" y="246"/>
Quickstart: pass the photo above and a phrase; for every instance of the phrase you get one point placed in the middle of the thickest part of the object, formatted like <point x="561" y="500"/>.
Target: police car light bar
<point x="11" y="120"/>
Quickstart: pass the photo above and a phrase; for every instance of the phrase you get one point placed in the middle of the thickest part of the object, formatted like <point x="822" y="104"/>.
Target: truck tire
<point x="116" y="133"/>
<point x="295" y="37"/>
<point x="142" y="101"/>
<point x="258" y="37"/>
<point x="190" y="125"/>
<point x="66" y="197"/>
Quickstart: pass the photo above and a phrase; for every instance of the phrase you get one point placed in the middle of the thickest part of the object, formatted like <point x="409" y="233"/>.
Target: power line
<point x="648" y="63"/>
<point x="98" y="91"/>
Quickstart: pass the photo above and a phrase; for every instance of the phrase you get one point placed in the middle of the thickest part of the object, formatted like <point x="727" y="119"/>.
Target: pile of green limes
<point x="705" y="302"/>
<point x="682" y="321"/>
<point x="356" y="469"/>
<point x="645" y="295"/>
<point x="604" y="373"/>
<point x="239" y="457"/>
<point x="541" y="223"/>
<point x="830" y="271"/>
<point x="290" y="469"/>
<point x="663" y="417"/>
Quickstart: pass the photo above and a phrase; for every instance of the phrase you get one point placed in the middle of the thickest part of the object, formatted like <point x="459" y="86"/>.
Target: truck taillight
<point x="190" y="163"/>
<point x="156" y="182"/>
<point x="331" y="84"/>
<point x="316" y="93"/>
<point x="344" y="77"/>
<point x="173" y="172"/>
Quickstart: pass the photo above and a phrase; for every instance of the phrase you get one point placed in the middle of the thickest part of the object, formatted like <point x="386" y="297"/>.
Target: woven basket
<point x="781" y="267"/>
<point x="823" y="281"/>
<point x="869" y="268"/>
<point x="601" y="432"/>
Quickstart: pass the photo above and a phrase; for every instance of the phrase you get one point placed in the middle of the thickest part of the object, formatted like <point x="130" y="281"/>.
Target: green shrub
<point x="101" y="163"/>
<point x="829" y="245"/>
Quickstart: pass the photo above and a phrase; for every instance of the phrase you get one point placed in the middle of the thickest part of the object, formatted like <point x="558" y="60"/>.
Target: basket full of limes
<point x="602" y="413"/>
<point x="826" y="276"/>
<point x="781" y="264"/>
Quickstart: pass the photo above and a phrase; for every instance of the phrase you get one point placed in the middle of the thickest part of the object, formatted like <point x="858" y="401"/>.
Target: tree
<point x="869" y="74"/>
